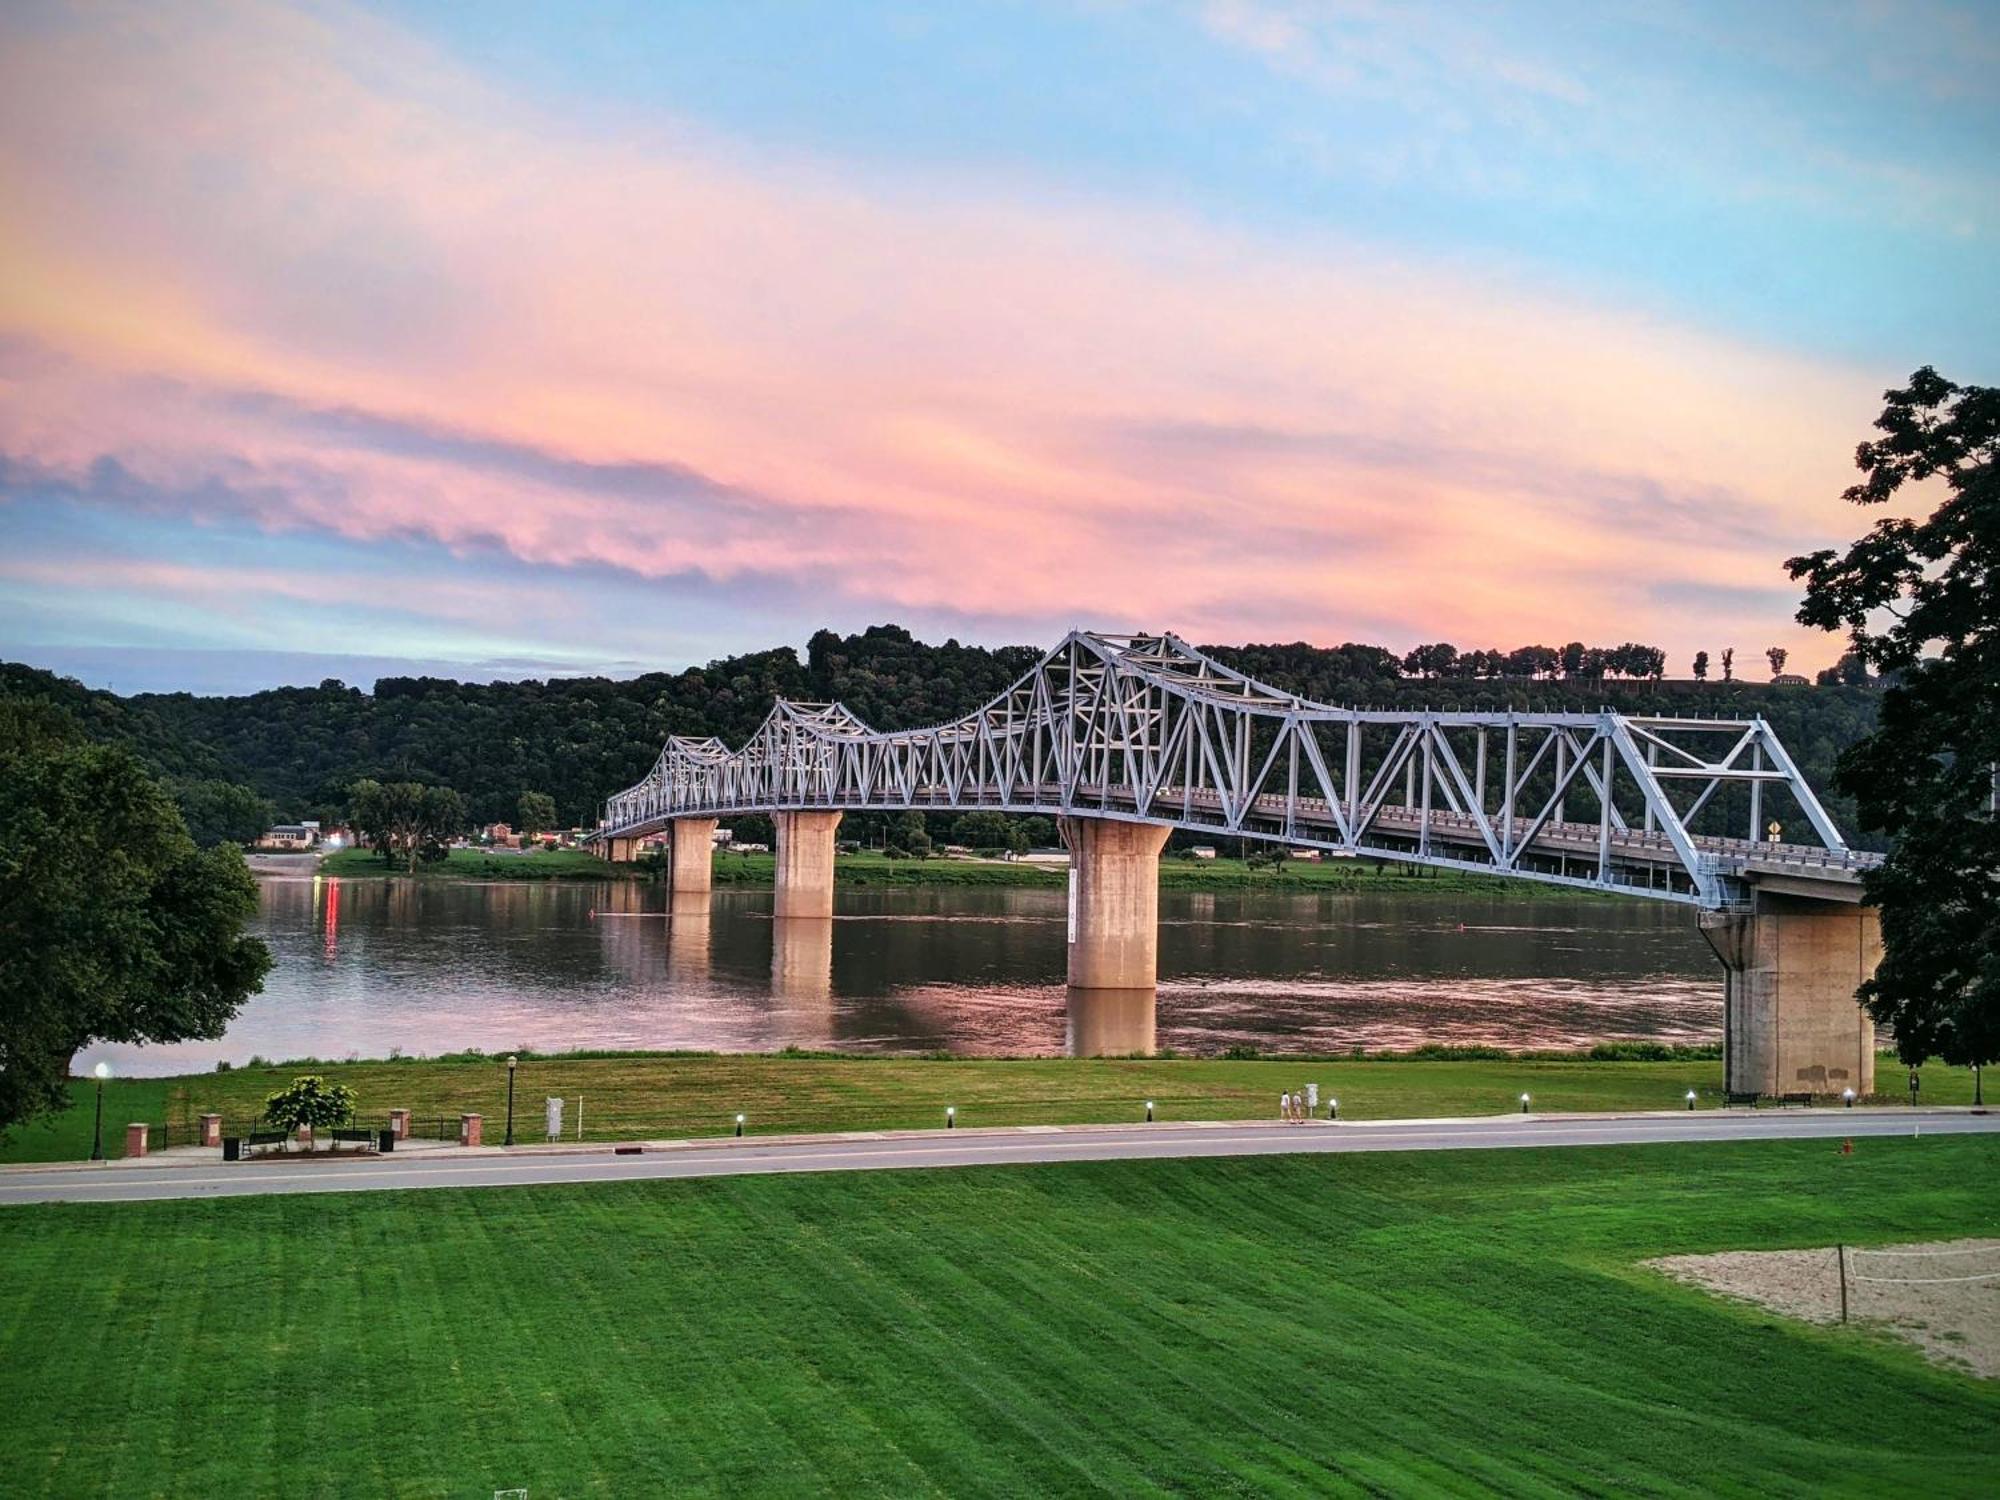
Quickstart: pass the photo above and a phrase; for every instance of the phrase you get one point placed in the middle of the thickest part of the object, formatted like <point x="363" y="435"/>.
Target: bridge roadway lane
<point x="205" y="1178"/>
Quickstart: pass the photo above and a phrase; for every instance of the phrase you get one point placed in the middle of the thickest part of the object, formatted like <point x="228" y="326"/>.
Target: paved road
<point x="113" y="1182"/>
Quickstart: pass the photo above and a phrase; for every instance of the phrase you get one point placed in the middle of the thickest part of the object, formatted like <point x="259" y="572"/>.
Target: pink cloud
<point x="299" y="252"/>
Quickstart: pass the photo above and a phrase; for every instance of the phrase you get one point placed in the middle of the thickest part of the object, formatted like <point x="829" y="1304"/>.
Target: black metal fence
<point x="434" y="1128"/>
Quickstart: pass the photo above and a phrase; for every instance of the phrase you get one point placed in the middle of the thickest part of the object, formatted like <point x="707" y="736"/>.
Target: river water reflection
<point x="367" y="966"/>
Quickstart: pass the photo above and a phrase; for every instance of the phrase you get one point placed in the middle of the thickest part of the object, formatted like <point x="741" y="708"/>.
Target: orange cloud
<point x="302" y="256"/>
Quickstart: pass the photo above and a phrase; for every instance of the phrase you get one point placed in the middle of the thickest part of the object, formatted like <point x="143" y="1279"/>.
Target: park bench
<point x="1804" y="1100"/>
<point x="238" y="1147"/>
<point x="1730" y="1100"/>
<point x="367" y="1140"/>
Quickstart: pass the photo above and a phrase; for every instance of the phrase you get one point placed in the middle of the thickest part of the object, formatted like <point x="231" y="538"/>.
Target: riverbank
<point x="1405" y="1323"/>
<point x="870" y="869"/>
<point x="636" y="1095"/>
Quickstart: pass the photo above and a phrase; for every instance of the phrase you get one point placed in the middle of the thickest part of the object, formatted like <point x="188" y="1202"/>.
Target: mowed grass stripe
<point x="1443" y="1323"/>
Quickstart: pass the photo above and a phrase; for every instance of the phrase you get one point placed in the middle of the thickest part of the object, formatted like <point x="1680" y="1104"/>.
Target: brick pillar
<point x="469" y="1127"/>
<point x="135" y="1140"/>
<point x="211" y="1130"/>
<point x="399" y="1124"/>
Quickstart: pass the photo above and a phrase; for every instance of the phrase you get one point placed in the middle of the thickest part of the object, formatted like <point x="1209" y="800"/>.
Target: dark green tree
<point x="1037" y="832"/>
<point x="537" y="812"/>
<point x="113" y="925"/>
<point x="221" y="812"/>
<point x="988" y="830"/>
<point x="1701" y="666"/>
<point x="405" y="820"/>
<point x="1920" y="599"/>
<point x="907" y="832"/>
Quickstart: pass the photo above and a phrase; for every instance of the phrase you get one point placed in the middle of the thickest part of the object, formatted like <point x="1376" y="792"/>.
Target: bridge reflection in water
<point x="1110" y="1023"/>
<point x="1098" y="1022"/>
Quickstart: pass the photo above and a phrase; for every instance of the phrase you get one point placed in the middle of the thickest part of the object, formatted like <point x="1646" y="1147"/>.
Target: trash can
<point x="232" y="1148"/>
<point x="386" y="1141"/>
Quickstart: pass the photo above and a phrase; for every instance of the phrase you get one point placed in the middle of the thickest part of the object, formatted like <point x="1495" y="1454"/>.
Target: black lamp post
<point x="512" y="1063"/>
<point x="103" y="1071"/>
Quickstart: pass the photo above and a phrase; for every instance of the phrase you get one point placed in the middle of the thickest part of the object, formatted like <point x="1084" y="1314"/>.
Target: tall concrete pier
<point x="805" y="864"/>
<point x="1114" y="903"/>
<point x="693" y="856"/>
<point x="1791" y="1024"/>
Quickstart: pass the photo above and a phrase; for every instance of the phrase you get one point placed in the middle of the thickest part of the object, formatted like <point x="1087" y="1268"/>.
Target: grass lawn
<point x="869" y="869"/>
<point x="476" y="864"/>
<point x="639" y="1095"/>
<point x="1410" y="1324"/>
<point x="66" y="1136"/>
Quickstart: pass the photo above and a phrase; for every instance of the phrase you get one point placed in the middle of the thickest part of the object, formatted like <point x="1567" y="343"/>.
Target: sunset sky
<point x="517" y="339"/>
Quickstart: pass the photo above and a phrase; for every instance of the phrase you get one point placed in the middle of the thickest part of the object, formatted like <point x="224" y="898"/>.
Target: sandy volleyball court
<point x="1943" y="1296"/>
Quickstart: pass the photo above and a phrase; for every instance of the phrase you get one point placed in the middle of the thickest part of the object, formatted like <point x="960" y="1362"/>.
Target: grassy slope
<point x="868" y="869"/>
<point x="66" y="1136"/>
<point x="1430" y="1323"/>
<point x="634" y="1095"/>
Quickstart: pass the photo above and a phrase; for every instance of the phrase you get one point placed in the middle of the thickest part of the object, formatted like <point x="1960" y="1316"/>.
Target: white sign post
<point x="554" y="1108"/>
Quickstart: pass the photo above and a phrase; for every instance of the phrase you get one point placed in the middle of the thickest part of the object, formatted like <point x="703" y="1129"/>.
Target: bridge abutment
<point x="805" y="864"/>
<point x="1791" y="1023"/>
<point x="691" y="868"/>
<point x="1114" y="902"/>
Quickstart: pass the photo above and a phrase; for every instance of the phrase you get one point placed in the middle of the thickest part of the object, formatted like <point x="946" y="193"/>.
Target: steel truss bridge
<point x="1145" y="728"/>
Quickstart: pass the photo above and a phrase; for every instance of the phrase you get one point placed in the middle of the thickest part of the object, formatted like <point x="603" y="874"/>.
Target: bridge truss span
<point x="1145" y="728"/>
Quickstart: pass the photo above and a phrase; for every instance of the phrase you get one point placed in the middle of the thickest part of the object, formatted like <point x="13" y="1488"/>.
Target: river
<point x="370" y="966"/>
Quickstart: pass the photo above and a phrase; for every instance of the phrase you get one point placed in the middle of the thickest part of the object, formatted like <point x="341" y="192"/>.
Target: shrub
<point x="310" y="1100"/>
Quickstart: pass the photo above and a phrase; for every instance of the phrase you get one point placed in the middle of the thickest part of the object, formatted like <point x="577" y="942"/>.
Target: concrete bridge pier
<point x="805" y="864"/>
<point x="1114" y="904"/>
<point x="621" y="851"/>
<point x="1791" y="1024"/>
<point x="692" y="855"/>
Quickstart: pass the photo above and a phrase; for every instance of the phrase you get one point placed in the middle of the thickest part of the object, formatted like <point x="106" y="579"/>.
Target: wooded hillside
<point x="579" y="739"/>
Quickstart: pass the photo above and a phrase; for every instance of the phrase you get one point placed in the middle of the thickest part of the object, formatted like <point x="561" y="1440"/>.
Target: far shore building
<point x="289" y="837"/>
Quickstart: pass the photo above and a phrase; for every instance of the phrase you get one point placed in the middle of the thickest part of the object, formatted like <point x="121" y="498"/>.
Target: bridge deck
<point x="1146" y="728"/>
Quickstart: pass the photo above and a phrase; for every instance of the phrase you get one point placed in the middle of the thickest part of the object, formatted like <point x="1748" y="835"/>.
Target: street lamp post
<point x="512" y="1063"/>
<point x="103" y="1071"/>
